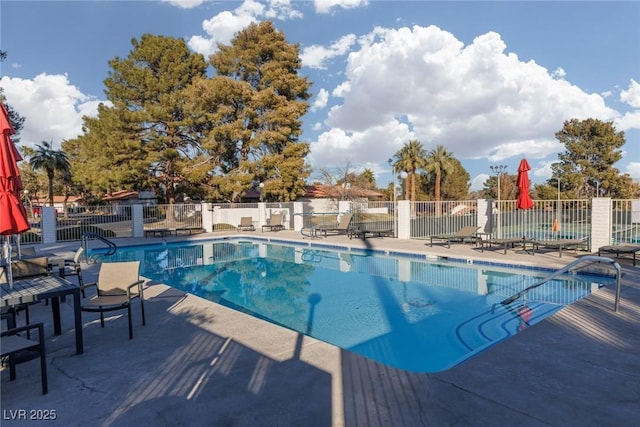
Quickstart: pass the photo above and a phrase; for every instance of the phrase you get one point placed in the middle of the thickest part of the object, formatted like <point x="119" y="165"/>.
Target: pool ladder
<point x="85" y="245"/>
<point x="566" y="269"/>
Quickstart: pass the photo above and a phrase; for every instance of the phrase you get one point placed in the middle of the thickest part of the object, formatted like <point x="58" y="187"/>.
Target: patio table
<point x="34" y="289"/>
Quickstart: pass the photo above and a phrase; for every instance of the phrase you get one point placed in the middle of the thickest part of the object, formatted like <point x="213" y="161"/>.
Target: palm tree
<point x="50" y="160"/>
<point x="368" y="178"/>
<point x="410" y="158"/>
<point x="439" y="162"/>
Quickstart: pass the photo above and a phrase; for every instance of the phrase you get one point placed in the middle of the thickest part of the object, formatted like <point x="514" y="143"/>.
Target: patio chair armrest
<point x="140" y="289"/>
<point x="17" y="330"/>
<point x="89" y="285"/>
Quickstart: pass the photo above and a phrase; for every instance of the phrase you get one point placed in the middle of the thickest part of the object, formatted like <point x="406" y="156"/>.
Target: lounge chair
<point x="274" y="223"/>
<point x="118" y="284"/>
<point x="17" y="348"/>
<point x="371" y="229"/>
<point x="461" y="235"/>
<point x="623" y="248"/>
<point x="246" y="224"/>
<point x="504" y="243"/>
<point x="560" y="244"/>
<point x="341" y="228"/>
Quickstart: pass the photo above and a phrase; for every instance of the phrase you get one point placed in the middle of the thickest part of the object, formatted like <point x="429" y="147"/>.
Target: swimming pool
<point x="406" y="311"/>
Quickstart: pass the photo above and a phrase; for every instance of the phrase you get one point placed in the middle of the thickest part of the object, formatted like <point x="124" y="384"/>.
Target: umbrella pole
<point x="7" y="258"/>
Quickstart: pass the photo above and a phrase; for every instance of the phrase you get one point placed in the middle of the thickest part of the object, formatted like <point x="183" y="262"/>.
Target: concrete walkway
<point x="197" y="363"/>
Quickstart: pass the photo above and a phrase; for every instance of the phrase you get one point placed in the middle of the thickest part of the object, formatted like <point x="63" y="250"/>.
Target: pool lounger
<point x="621" y="249"/>
<point x="157" y="232"/>
<point x="504" y="243"/>
<point x="363" y="233"/>
<point x="465" y="233"/>
<point x="560" y="244"/>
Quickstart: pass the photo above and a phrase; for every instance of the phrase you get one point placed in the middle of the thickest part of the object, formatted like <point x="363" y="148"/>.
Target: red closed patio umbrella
<point x="13" y="216"/>
<point x="523" y="201"/>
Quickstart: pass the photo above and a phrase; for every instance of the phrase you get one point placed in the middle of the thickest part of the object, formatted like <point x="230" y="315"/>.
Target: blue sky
<point x="491" y="81"/>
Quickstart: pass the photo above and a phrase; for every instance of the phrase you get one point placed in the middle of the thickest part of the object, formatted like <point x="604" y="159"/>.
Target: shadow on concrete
<point x="174" y="372"/>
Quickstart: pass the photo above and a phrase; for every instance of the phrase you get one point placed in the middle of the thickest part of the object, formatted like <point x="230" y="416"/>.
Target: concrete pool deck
<point x="197" y="363"/>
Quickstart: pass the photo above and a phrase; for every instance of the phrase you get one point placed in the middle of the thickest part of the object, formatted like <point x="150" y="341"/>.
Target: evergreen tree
<point x="592" y="148"/>
<point x="255" y="106"/>
<point x="147" y="89"/>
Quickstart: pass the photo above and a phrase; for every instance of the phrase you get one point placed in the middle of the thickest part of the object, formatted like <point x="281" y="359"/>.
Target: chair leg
<point x="12" y="367"/>
<point x="130" y="321"/>
<point x="142" y="309"/>
<point x="102" y="319"/>
<point x="43" y="360"/>
<point x="27" y="319"/>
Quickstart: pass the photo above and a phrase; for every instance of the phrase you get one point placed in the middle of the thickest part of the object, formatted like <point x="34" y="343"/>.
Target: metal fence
<point x="106" y="221"/>
<point x="547" y="220"/>
<point x="625" y="221"/>
<point x="431" y="218"/>
<point x="374" y="216"/>
<point x="173" y="217"/>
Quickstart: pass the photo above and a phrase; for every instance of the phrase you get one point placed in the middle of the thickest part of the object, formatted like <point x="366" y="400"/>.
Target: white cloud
<point x="185" y="4"/>
<point x="532" y="149"/>
<point x="477" y="183"/>
<point x="631" y="96"/>
<point x="223" y="27"/>
<point x="282" y="10"/>
<point x="316" y="56"/>
<point x="559" y="73"/>
<point x="321" y="100"/>
<point x="543" y="169"/>
<point x="630" y="120"/>
<point x="52" y="107"/>
<point x="373" y="145"/>
<point x="477" y="100"/>
<point x="325" y="6"/>
<point x="633" y="169"/>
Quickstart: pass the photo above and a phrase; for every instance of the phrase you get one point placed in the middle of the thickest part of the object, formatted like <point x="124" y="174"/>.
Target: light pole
<point x="261" y="187"/>
<point x="499" y="170"/>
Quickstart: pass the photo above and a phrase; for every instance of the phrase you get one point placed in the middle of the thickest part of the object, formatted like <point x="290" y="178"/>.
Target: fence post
<point x="484" y="215"/>
<point x="207" y="217"/>
<point x="404" y="219"/>
<point x="262" y="214"/>
<point x="48" y="225"/>
<point x="600" y="222"/>
<point x="137" y="219"/>
<point x="298" y="220"/>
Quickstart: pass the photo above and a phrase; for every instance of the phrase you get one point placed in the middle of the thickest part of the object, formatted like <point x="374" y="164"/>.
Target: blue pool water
<point x="405" y="311"/>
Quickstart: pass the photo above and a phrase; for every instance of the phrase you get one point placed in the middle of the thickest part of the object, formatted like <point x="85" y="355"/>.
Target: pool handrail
<point x="85" y="245"/>
<point x="566" y="269"/>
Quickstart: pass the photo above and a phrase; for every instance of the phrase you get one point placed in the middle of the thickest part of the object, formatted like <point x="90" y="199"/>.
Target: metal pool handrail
<point x="566" y="269"/>
<point x="85" y="245"/>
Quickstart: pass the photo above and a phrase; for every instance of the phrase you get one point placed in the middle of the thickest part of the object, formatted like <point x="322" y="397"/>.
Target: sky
<point x="491" y="81"/>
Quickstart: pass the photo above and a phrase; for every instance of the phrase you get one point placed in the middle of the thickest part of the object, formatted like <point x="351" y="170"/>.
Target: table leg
<point x="77" y="312"/>
<point x="55" y="309"/>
